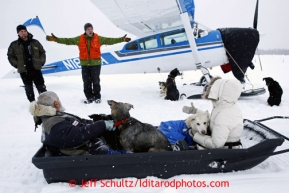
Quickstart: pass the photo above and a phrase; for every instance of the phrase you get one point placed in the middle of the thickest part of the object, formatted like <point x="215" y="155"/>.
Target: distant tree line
<point x="273" y="52"/>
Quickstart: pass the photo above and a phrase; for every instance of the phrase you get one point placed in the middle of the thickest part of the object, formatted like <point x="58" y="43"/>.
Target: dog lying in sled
<point x="179" y="132"/>
<point x="132" y="134"/>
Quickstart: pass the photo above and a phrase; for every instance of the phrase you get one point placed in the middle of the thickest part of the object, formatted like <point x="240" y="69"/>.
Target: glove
<point x="109" y="125"/>
<point x="190" y="110"/>
<point x="97" y="117"/>
<point x="125" y="39"/>
<point x="51" y="38"/>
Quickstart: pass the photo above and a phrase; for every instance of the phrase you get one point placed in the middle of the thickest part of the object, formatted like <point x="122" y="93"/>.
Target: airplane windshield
<point x="132" y="46"/>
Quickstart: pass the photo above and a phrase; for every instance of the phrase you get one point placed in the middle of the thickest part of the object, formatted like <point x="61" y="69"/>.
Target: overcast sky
<point x="273" y="18"/>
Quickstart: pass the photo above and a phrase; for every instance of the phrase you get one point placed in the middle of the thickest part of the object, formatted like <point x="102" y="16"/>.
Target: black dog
<point x="275" y="91"/>
<point x="112" y="137"/>
<point x="172" y="91"/>
<point x="136" y="136"/>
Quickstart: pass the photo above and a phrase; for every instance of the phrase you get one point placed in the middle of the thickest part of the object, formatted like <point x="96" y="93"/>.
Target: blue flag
<point x="34" y="21"/>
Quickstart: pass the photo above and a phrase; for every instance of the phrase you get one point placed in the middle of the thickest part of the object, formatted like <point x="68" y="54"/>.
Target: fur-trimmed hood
<point x="219" y="89"/>
<point x="41" y="110"/>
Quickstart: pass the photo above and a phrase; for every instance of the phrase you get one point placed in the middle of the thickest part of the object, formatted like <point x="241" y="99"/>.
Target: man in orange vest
<point x="89" y="45"/>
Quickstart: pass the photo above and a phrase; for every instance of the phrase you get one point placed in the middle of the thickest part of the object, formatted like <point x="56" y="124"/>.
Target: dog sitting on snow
<point x="163" y="89"/>
<point x="275" y="91"/>
<point x="172" y="91"/>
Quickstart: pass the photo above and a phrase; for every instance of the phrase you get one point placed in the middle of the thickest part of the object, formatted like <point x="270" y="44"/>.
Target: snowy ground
<point x="19" y="142"/>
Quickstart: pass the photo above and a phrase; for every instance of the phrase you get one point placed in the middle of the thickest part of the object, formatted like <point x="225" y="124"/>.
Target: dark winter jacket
<point x="102" y="41"/>
<point x="64" y="133"/>
<point x="241" y="45"/>
<point x="176" y="131"/>
<point x="67" y="131"/>
<point x="18" y="57"/>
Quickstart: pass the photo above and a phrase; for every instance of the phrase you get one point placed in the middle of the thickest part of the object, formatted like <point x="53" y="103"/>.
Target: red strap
<point x="120" y="122"/>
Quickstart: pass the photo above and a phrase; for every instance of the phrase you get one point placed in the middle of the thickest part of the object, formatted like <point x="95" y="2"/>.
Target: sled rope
<point x="161" y="74"/>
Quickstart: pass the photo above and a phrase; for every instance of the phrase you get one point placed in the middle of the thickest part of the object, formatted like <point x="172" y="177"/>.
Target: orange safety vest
<point x="94" y="48"/>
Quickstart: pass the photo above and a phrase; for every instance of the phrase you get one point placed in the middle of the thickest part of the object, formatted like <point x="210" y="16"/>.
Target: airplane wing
<point x="141" y="17"/>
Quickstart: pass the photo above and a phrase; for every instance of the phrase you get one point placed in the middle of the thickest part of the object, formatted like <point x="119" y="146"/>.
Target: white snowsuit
<point x="226" y="122"/>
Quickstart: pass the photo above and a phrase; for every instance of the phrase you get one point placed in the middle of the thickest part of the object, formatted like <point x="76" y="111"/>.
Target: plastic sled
<point x="259" y="143"/>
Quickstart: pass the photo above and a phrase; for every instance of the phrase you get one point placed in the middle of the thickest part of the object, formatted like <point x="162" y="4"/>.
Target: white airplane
<point x="168" y="37"/>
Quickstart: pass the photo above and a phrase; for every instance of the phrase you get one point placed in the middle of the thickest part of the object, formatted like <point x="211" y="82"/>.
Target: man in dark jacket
<point x="28" y="56"/>
<point x="67" y="134"/>
<point x="89" y="45"/>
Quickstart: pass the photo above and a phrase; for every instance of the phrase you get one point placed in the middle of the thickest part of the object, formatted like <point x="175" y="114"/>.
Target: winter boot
<point x="88" y="101"/>
<point x="97" y="100"/>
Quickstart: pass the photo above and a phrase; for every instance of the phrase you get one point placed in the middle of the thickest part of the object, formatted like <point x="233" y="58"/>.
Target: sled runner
<point x="259" y="143"/>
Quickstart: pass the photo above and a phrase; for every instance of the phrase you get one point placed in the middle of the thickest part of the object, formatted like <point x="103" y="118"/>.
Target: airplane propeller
<point x="255" y="22"/>
<point x="256" y="16"/>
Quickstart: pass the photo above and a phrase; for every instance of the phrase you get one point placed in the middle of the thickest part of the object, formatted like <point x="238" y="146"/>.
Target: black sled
<point x="259" y="143"/>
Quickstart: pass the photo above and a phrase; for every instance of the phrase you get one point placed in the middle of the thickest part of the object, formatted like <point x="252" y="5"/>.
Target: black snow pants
<point x="91" y="81"/>
<point x="28" y="78"/>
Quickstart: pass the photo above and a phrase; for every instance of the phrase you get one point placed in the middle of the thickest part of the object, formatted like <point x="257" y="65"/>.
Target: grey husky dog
<point x="136" y="136"/>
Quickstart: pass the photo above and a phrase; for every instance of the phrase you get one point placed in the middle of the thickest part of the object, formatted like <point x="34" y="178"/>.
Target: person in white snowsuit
<point x="226" y="121"/>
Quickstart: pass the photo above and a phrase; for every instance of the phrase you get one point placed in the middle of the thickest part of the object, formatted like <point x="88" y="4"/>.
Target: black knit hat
<point x="87" y="25"/>
<point x="20" y="27"/>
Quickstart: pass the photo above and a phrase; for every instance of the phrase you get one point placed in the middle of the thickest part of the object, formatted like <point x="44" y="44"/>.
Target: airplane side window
<point x="173" y="37"/>
<point x="142" y="46"/>
<point x="149" y="43"/>
<point x="132" y="46"/>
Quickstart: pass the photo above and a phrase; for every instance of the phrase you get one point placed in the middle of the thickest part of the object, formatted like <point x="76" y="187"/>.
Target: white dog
<point x="198" y="122"/>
